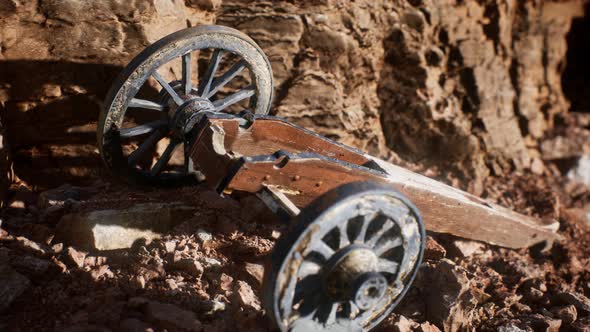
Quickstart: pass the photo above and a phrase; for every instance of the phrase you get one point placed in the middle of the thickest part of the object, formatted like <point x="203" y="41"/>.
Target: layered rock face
<point x="466" y="86"/>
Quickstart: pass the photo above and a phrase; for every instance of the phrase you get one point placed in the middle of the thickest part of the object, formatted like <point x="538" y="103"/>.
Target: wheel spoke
<point x="387" y="225"/>
<point x="233" y="98"/>
<point x="186" y="73"/>
<point x="360" y="237"/>
<point x="144" y="147"/>
<point x="308" y="268"/>
<point x="143" y="129"/>
<point x="210" y="73"/>
<point x="323" y="249"/>
<point x="163" y="161"/>
<point x="387" y="245"/>
<point x="146" y="104"/>
<point x="168" y="88"/>
<point x="229" y="75"/>
<point x="385" y="265"/>
<point x="327" y="312"/>
<point x="344" y="241"/>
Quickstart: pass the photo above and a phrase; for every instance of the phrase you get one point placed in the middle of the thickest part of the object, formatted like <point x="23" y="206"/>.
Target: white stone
<point x="119" y="229"/>
<point x="581" y="171"/>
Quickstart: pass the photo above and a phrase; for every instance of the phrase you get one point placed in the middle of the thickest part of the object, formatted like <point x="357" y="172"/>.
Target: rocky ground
<point x="61" y="271"/>
<point x="489" y="96"/>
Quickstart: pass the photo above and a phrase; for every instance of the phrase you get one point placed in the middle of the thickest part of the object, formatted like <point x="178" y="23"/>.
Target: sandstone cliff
<point x="467" y="87"/>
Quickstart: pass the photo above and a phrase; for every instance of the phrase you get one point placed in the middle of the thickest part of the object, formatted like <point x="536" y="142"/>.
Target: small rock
<point x="246" y="296"/>
<point x="256" y="271"/>
<point x="16" y="204"/>
<point x="567" y="314"/>
<point x="414" y="19"/>
<point x="57" y="248"/>
<point x="90" y="261"/>
<point x="510" y="328"/>
<point x="275" y="234"/>
<point x="148" y="273"/>
<point x="172" y="317"/>
<point x="403" y="324"/>
<point x="537" y="166"/>
<point x="581" y="171"/>
<point x="190" y="266"/>
<point x="171" y="283"/>
<point x="120" y="229"/>
<point x="170" y="246"/>
<point x="225" y="282"/>
<point x="12" y="285"/>
<point x="427" y="327"/>
<point x="544" y="323"/>
<point x="59" y="264"/>
<point x="3" y="233"/>
<point x="465" y="248"/>
<point x="139" y="281"/>
<point x="533" y="294"/>
<point x="102" y="272"/>
<point x="578" y="300"/>
<point x="203" y="236"/>
<point x="433" y="250"/>
<point x="217" y="304"/>
<point x="29" y="246"/>
<point x="74" y="257"/>
<point x="210" y="262"/>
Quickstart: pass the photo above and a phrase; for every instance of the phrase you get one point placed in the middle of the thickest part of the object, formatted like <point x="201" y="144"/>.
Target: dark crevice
<point x="492" y="29"/>
<point x="576" y="77"/>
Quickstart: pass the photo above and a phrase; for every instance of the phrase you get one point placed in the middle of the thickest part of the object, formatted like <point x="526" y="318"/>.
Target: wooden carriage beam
<point x="235" y="155"/>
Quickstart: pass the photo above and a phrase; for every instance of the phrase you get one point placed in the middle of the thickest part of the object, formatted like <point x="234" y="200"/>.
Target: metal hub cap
<point x="186" y="116"/>
<point x="370" y="289"/>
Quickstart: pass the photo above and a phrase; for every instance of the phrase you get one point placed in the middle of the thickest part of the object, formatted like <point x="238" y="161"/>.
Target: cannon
<point x="193" y="109"/>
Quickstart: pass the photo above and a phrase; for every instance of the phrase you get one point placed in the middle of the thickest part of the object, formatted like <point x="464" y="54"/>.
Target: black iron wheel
<point x="162" y="93"/>
<point x="350" y="259"/>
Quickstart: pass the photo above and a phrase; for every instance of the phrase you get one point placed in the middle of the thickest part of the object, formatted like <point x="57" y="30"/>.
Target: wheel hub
<point x="350" y="275"/>
<point x="186" y="116"/>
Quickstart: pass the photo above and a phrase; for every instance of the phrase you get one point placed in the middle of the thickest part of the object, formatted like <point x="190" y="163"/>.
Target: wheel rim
<point x="348" y="267"/>
<point x="181" y="101"/>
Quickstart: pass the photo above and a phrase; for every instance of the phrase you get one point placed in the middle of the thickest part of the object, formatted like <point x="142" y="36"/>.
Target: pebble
<point x="170" y="246"/>
<point x="256" y="271"/>
<point x="567" y="314"/>
<point x="246" y="296"/>
<point x="578" y="300"/>
<point x="190" y="266"/>
<point x="433" y="250"/>
<point x="210" y="262"/>
<point x="203" y="235"/>
<point x="74" y="257"/>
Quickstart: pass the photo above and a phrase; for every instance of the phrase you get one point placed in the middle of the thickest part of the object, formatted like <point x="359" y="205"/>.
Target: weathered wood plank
<point x="242" y="159"/>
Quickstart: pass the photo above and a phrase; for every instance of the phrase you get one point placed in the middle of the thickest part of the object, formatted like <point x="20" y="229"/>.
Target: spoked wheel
<point x="351" y="258"/>
<point x="159" y="97"/>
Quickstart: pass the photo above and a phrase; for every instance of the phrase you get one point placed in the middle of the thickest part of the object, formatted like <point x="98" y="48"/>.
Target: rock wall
<point x="468" y="87"/>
